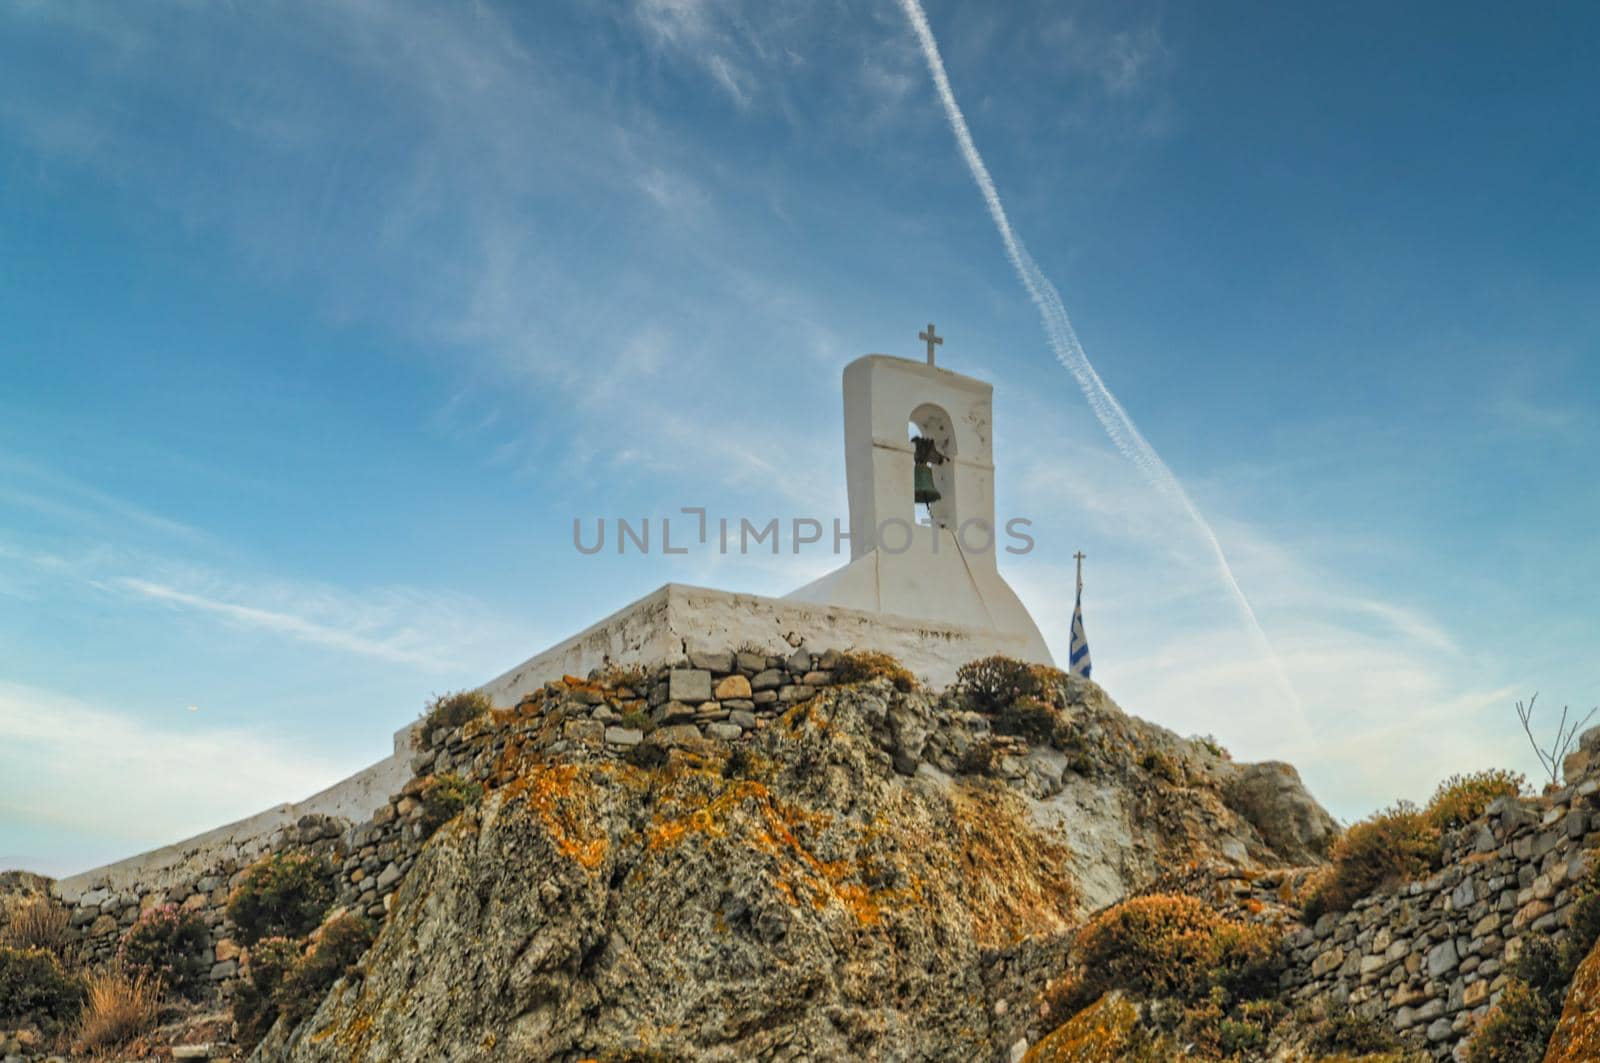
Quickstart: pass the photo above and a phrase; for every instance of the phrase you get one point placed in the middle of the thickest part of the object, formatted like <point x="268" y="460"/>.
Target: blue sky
<point x="322" y="321"/>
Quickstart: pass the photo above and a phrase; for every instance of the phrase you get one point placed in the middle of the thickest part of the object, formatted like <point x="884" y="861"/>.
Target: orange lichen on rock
<point x="1014" y="874"/>
<point x="556" y="792"/>
<point x="1577" y="1035"/>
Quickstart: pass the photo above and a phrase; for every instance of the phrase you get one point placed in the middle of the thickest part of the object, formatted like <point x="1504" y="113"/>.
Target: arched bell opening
<point x="933" y="467"/>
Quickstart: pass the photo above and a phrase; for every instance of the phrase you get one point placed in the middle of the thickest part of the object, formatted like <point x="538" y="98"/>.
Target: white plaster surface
<point x="678" y="619"/>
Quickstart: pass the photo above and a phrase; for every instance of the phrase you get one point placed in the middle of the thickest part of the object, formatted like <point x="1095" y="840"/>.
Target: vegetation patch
<point x="33" y="985"/>
<point x="1106" y="1031"/>
<point x="450" y="711"/>
<point x="255" y="1002"/>
<point x="1391" y="847"/>
<point x="120" y="1005"/>
<point x="334" y="951"/>
<point x="1461" y="799"/>
<point x="172" y="947"/>
<point x="36" y="923"/>
<point x="283" y="895"/>
<point x="990" y="684"/>
<point x="861" y="666"/>
<point x="446" y="796"/>
<point x="1174" y="945"/>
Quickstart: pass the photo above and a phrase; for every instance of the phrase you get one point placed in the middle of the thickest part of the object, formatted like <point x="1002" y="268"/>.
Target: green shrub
<point x="35" y="988"/>
<point x="1173" y="945"/>
<point x="444" y="797"/>
<point x="1350" y="1033"/>
<point x="1461" y="799"/>
<point x="1030" y="718"/>
<point x="989" y="684"/>
<point x="1516" y="1030"/>
<point x="255" y="1006"/>
<point x="171" y="946"/>
<point x="333" y="952"/>
<point x="284" y="895"/>
<point x="448" y="711"/>
<point x="638" y="720"/>
<point x="860" y="666"/>
<point x="1391" y="847"/>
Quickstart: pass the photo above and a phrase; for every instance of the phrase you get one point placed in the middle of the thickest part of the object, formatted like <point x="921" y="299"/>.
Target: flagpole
<point x="1080" y="556"/>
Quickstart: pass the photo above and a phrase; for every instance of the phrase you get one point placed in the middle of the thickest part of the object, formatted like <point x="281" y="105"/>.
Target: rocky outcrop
<point x="862" y="872"/>
<point x="1577" y="1034"/>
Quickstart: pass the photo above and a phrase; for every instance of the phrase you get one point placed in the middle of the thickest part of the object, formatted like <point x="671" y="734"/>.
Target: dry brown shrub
<point x="37" y="922"/>
<point x="118" y="1007"/>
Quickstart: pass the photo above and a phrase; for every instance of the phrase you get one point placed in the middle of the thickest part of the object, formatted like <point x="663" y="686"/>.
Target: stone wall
<point x="713" y="697"/>
<point x="1434" y="956"/>
<point x="102" y="912"/>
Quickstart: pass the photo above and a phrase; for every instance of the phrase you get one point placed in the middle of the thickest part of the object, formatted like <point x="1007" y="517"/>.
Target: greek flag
<point x="1079" y="652"/>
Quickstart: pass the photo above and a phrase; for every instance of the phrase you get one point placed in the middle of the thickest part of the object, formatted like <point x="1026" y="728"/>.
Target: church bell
<point x="922" y="482"/>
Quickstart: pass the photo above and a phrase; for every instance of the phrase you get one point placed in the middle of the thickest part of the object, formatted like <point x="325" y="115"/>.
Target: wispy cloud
<point x="403" y="647"/>
<point x="98" y="772"/>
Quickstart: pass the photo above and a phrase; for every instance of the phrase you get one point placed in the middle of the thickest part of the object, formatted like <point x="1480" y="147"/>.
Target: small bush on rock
<point x="858" y="667"/>
<point x="284" y="895"/>
<point x="36" y="923"/>
<point x="450" y="710"/>
<point x="120" y="1006"/>
<point x="1163" y="766"/>
<point x="1029" y="717"/>
<point x="255" y="1006"/>
<point x="1350" y="1033"/>
<point x="35" y="988"/>
<point x="444" y="797"/>
<point x="334" y="951"/>
<point x="170" y="945"/>
<point x="990" y="684"/>
<point x="1391" y="847"/>
<point x="1461" y="799"/>
<point x="1516" y="1030"/>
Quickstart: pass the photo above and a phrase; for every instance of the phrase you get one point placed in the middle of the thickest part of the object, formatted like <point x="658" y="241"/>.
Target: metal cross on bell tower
<point x="932" y="339"/>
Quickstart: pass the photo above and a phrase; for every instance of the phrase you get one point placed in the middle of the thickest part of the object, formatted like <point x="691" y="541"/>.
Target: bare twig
<point x="1560" y="745"/>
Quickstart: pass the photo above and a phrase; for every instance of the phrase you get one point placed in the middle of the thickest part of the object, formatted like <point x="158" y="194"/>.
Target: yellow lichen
<point x="1577" y="1036"/>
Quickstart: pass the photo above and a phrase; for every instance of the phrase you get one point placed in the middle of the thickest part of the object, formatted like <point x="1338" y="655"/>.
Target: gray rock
<point x="725" y="732"/>
<point x="623" y="736"/>
<point x="1442" y="958"/>
<point x="689" y="685"/>
<point x="770" y="679"/>
<point x="716" y="663"/>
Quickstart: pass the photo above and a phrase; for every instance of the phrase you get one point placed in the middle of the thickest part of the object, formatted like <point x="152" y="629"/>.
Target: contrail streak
<point x="1069" y="352"/>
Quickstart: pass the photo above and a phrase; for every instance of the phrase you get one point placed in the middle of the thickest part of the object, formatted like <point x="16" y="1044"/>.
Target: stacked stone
<point x="1434" y="957"/>
<point x="726" y="695"/>
<point x="715" y="698"/>
<point x="381" y="851"/>
<point x="102" y="914"/>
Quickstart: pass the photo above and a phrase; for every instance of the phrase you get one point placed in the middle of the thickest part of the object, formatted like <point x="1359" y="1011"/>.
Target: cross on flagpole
<point x="1078" y="646"/>
<point x="932" y="339"/>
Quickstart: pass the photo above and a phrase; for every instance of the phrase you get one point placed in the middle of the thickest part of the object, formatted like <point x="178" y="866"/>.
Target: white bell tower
<point x="940" y="565"/>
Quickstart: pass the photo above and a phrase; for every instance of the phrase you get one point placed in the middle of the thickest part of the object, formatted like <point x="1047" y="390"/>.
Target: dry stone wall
<point x="1433" y="957"/>
<point x="102" y="914"/>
